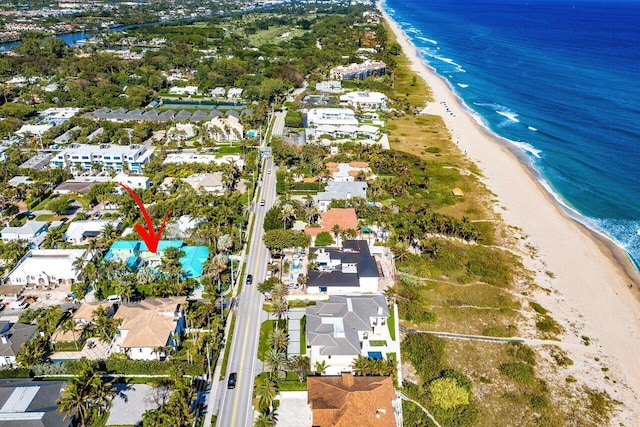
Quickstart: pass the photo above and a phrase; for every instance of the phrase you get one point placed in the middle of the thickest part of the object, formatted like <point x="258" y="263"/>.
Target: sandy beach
<point x="588" y="275"/>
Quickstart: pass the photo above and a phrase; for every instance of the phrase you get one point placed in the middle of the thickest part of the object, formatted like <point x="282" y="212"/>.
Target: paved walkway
<point x="295" y="329"/>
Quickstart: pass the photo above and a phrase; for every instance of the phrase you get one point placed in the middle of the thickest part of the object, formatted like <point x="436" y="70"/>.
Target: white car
<point x="269" y="274"/>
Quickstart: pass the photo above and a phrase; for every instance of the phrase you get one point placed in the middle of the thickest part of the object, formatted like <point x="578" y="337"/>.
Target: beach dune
<point x="594" y="286"/>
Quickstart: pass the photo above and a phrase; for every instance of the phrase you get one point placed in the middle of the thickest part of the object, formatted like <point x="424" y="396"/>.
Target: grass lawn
<point x="391" y="322"/>
<point x="45" y="217"/>
<point x="69" y="346"/>
<point x="227" y="350"/>
<point x="303" y="335"/>
<point x="265" y="329"/>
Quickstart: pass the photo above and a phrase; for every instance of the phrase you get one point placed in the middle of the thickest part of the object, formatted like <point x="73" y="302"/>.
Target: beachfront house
<point x="349" y="269"/>
<point x="345" y="327"/>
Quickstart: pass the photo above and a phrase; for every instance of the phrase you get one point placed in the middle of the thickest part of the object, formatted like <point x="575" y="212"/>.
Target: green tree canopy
<point x="324" y="238"/>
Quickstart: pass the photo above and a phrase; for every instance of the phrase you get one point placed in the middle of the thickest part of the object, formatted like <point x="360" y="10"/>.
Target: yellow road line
<point x="244" y="348"/>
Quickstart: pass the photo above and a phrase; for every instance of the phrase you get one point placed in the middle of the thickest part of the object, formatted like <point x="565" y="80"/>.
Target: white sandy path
<point x="592" y="285"/>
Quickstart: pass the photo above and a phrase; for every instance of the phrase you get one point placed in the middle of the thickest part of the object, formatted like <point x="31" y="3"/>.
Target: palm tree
<point x="85" y="393"/>
<point x="69" y="325"/>
<point x="74" y="401"/>
<point x="287" y="215"/>
<point x="320" y="368"/>
<point x="265" y="390"/>
<point x="32" y="352"/>
<point x="265" y="420"/>
<point x="275" y="361"/>
<point x="278" y="339"/>
<point x="301" y="365"/>
<point x="361" y="365"/>
<point x="279" y="307"/>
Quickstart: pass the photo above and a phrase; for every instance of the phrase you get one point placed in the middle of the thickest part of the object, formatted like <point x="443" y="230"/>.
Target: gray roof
<point x="352" y="252"/>
<point x="183" y="115"/>
<point x="335" y="324"/>
<point x="28" y="228"/>
<point x="17" y="334"/>
<point x="343" y="190"/>
<point x="28" y="403"/>
<point x="233" y="113"/>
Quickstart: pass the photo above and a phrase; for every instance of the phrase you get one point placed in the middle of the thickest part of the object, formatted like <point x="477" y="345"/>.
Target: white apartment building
<point x="365" y="100"/>
<point x="78" y="157"/>
<point x="48" y="267"/>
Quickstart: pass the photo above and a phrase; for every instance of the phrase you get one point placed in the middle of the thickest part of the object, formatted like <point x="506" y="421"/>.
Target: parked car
<point x="269" y="274"/>
<point x="231" y="382"/>
<point x="18" y="304"/>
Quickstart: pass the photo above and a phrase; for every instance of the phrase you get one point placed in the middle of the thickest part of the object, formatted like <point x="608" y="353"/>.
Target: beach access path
<point x="588" y="276"/>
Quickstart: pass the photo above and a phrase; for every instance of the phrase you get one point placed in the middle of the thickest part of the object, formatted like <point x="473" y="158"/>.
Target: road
<point x="236" y="407"/>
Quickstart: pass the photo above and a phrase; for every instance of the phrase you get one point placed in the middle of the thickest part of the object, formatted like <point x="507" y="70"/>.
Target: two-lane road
<point x="236" y="408"/>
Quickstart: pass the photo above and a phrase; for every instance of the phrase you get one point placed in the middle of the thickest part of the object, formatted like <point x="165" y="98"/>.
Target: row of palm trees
<point x="87" y="396"/>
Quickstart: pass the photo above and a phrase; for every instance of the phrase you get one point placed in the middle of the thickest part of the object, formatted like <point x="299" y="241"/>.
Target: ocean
<point x="557" y="78"/>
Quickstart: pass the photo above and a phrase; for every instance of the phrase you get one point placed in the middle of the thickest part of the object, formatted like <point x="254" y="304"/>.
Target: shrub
<point x="415" y="311"/>
<point x="447" y="394"/>
<point x="547" y="324"/>
<point x="15" y="373"/>
<point x="433" y="150"/>
<point x="324" y="238"/>
<point x="522" y="353"/>
<point x="538" y="402"/>
<point x="538" y="308"/>
<point x="520" y="372"/>
<point x="426" y="354"/>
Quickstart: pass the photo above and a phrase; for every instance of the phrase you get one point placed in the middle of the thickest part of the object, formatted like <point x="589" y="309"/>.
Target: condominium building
<point x="78" y="157"/>
<point x="359" y="71"/>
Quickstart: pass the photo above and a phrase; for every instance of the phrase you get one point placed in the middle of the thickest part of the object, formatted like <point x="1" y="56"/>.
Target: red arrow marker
<point x="149" y="236"/>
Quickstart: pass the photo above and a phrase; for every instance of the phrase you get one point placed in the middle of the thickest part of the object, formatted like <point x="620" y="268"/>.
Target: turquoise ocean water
<point x="557" y="78"/>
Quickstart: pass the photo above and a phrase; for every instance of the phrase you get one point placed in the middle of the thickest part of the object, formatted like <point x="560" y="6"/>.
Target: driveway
<point x="294" y="410"/>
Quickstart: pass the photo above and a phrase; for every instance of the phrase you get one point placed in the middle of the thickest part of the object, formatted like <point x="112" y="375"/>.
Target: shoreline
<point x="587" y="272"/>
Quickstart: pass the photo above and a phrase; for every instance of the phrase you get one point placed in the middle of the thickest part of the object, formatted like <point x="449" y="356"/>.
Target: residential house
<point x="235" y="93"/>
<point x="29" y="403"/>
<point x="136" y="182"/>
<point x="20" y="180"/>
<point x="82" y="318"/>
<point x="209" y="182"/>
<point x="37" y="130"/>
<point x="12" y="337"/>
<point x="149" y="327"/>
<point x="57" y="116"/>
<point x="182" y="158"/>
<point x="185" y="90"/>
<point x="48" y="268"/>
<point x="365" y="100"/>
<point x="226" y="128"/>
<point x="344" y="270"/>
<point x="346" y="400"/>
<point x="337" y="122"/>
<point x="218" y="92"/>
<point x="344" y="218"/>
<point x="359" y="71"/>
<point x="79" y="157"/>
<point x="27" y="232"/>
<point x="345" y="327"/>
<point x="134" y="254"/>
<point x="79" y="231"/>
<point x="340" y="190"/>
<point x="181" y="132"/>
<point x="342" y="172"/>
<point x="329" y="86"/>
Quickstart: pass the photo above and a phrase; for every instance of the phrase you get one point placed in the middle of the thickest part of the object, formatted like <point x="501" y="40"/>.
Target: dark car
<point x="249" y="279"/>
<point x="231" y="382"/>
